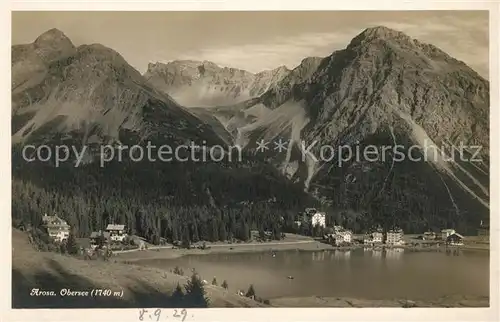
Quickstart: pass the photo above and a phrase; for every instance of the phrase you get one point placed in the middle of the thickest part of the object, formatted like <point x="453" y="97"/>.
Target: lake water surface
<point x="367" y="274"/>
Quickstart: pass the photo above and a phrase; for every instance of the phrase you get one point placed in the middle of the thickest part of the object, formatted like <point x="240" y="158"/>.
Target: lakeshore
<point x="369" y="275"/>
<point x="291" y="242"/>
<point x="149" y="286"/>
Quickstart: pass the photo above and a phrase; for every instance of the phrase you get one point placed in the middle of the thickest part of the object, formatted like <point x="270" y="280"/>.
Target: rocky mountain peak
<point x="382" y="32"/>
<point x="51" y="36"/>
<point x="53" y="45"/>
<point x="204" y="83"/>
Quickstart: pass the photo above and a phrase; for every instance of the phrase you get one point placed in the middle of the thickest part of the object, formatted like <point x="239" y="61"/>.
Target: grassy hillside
<point x="141" y="286"/>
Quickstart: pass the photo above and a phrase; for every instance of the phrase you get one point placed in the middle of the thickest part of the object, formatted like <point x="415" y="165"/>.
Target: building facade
<point x="446" y="232"/>
<point x="455" y="239"/>
<point x="116" y="232"/>
<point x="374" y="238"/>
<point x="57" y="228"/>
<point x="341" y="237"/>
<point x="394" y="237"/>
<point x="318" y="219"/>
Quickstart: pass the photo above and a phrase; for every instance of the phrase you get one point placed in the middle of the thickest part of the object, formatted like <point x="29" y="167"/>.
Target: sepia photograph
<point x="250" y="159"/>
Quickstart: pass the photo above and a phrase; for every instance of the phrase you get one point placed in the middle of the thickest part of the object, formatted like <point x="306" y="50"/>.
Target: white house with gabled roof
<point x="116" y="232"/>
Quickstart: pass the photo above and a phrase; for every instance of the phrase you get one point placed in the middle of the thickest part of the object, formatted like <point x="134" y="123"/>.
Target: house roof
<point x="115" y="227"/>
<point x="456" y="234"/>
<point x="447" y="230"/>
<point x="54" y="221"/>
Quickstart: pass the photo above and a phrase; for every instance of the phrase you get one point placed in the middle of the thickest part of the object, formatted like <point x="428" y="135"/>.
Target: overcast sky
<point x="254" y="41"/>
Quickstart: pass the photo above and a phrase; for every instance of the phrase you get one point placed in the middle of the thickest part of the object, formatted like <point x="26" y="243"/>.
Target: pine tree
<point x="71" y="245"/>
<point x="222" y="231"/>
<point x="195" y="234"/>
<point x="195" y="292"/>
<point x="251" y="291"/>
<point x="214" y="233"/>
<point x="177" y="296"/>
<point x="186" y="242"/>
<point x="224" y="284"/>
<point x="244" y="233"/>
<point x="214" y="281"/>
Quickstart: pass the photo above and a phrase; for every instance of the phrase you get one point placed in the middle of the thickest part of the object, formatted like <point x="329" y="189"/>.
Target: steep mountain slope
<point x="203" y="83"/>
<point x="92" y="93"/>
<point x="257" y="113"/>
<point x="88" y="97"/>
<point x="384" y="89"/>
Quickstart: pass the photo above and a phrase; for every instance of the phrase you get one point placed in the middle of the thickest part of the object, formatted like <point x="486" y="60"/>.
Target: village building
<point x="446" y="232"/>
<point x="374" y="238"/>
<point x="343" y="237"/>
<point x="57" y="228"/>
<point x="340" y="237"/>
<point x="318" y="219"/>
<point x="394" y="237"/>
<point x="377" y="237"/>
<point x="455" y="239"/>
<point x="116" y="232"/>
<point x="314" y="217"/>
<point x="95" y="237"/>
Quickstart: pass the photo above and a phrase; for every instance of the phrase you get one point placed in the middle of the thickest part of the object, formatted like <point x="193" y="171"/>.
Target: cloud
<point x="464" y="40"/>
<point x="273" y="52"/>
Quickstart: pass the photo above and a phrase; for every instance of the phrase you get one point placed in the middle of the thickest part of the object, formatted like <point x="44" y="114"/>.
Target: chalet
<point x="374" y="238"/>
<point x="57" y="228"/>
<point x="455" y="239"/>
<point x="429" y="235"/>
<point x="313" y="216"/>
<point x="394" y="237"/>
<point x="318" y="219"/>
<point x="96" y="235"/>
<point x="116" y="232"/>
<point x="446" y="232"/>
<point x="378" y="237"/>
<point x="341" y="237"/>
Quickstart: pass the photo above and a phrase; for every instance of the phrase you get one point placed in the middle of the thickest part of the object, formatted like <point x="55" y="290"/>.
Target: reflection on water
<point x="363" y="273"/>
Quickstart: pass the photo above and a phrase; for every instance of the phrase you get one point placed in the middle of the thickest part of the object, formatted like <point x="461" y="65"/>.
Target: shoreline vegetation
<point x="291" y="242"/>
<point x="145" y="286"/>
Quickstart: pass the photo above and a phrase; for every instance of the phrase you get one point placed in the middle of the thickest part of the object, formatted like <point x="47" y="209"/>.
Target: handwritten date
<point x="155" y="315"/>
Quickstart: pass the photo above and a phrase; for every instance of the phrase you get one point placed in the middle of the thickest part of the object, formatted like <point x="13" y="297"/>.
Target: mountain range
<point x="383" y="89"/>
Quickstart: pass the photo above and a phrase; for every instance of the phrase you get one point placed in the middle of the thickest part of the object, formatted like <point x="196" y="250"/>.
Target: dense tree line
<point x="190" y="202"/>
<point x="414" y="196"/>
<point x="177" y="202"/>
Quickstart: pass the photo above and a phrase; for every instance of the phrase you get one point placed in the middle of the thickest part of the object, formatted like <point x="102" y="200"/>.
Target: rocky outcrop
<point x="203" y="83"/>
